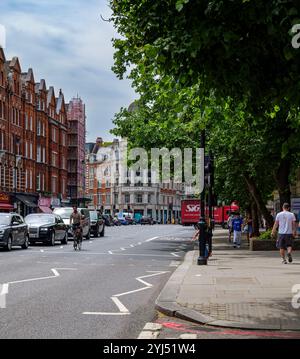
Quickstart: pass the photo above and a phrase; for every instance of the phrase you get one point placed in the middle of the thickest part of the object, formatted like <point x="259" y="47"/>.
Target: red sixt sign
<point x="190" y="211"/>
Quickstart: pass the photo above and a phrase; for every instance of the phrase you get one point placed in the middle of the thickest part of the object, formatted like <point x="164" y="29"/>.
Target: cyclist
<point x="75" y="222"/>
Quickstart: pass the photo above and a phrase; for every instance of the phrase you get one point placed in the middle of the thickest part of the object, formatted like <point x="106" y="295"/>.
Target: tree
<point x="238" y="49"/>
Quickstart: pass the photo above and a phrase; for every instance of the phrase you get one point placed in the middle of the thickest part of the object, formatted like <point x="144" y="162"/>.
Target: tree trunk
<point x="255" y="221"/>
<point x="254" y="191"/>
<point x="282" y="180"/>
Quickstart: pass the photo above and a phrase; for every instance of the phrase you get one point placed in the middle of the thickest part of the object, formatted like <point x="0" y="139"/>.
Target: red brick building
<point x="33" y="141"/>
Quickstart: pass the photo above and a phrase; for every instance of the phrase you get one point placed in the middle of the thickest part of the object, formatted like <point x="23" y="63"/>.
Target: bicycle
<point x="77" y="238"/>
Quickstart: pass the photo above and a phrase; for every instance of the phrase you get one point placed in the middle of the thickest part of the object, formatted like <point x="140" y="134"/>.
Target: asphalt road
<point x="106" y="291"/>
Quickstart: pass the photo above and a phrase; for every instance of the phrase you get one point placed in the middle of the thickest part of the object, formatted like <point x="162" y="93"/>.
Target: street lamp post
<point x="202" y="260"/>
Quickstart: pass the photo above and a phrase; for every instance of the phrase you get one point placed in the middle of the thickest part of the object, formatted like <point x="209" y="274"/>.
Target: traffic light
<point x="209" y="171"/>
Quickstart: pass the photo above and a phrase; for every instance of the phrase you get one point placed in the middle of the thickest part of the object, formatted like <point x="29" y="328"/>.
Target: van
<point x="65" y="213"/>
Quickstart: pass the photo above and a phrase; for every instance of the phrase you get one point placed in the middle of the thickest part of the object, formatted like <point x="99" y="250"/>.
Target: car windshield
<point x="65" y="213"/>
<point x="5" y="220"/>
<point x="40" y="219"/>
<point x="94" y="216"/>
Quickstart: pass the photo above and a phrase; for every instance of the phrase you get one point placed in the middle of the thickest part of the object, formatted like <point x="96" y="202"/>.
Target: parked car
<point x="65" y="214"/>
<point x="46" y="228"/>
<point x="13" y="231"/>
<point x="97" y="224"/>
<point x="147" y="220"/>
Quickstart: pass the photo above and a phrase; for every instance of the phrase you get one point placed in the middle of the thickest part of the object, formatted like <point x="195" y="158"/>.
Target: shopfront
<point x="25" y="204"/>
<point x="5" y="203"/>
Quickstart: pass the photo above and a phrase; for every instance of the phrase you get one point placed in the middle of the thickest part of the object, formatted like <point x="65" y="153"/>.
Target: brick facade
<point x="33" y="138"/>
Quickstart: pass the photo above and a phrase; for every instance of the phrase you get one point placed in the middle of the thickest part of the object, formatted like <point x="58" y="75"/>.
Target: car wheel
<point x="52" y="242"/>
<point x="65" y="240"/>
<point x="9" y="244"/>
<point x="26" y="243"/>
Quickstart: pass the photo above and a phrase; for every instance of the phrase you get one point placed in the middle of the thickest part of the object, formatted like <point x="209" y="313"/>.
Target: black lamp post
<point x="202" y="260"/>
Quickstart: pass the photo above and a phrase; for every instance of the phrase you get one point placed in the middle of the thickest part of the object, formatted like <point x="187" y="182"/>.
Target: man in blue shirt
<point x="237" y="225"/>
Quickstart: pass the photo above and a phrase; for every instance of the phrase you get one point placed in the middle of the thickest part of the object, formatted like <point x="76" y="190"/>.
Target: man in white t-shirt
<point x="286" y="223"/>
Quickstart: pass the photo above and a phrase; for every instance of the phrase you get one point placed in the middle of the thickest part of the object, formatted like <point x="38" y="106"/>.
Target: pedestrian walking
<point x="248" y="228"/>
<point x="229" y="225"/>
<point x="285" y="222"/>
<point x="237" y="226"/>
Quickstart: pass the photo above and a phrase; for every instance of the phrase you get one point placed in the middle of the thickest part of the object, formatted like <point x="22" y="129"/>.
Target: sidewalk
<point x="238" y="288"/>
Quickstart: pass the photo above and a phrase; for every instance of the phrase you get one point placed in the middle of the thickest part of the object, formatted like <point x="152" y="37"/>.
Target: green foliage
<point x="266" y="235"/>
<point x="228" y="67"/>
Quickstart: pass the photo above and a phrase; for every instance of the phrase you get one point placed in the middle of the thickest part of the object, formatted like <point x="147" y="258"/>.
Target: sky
<point x="66" y="43"/>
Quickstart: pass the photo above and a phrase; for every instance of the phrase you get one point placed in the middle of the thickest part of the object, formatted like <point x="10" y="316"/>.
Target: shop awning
<point x="6" y="206"/>
<point x="45" y="209"/>
<point x="29" y="201"/>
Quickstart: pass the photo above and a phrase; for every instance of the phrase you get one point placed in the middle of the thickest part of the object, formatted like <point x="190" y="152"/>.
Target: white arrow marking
<point x="151" y="239"/>
<point x="5" y="286"/>
<point x="122" y="309"/>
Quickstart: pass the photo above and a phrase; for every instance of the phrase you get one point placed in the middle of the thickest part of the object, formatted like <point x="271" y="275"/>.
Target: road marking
<point x="90" y="242"/>
<point x="5" y="286"/>
<point x="123" y="249"/>
<point x="131" y="245"/>
<point x="151" y="239"/>
<point x="42" y="251"/>
<point x="110" y="252"/>
<point x="175" y="255"/>
<point x="122" y="309"/>
<point x="140" y="243"/>
<point x="61" y="247"/>
<point x="120" y="305"/>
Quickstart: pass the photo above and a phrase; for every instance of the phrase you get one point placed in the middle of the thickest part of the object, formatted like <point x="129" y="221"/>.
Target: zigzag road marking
<point x="122" y="309"/>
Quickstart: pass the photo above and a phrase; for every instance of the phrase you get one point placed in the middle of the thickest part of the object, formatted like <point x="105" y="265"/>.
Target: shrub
<point x="266" y="235"/>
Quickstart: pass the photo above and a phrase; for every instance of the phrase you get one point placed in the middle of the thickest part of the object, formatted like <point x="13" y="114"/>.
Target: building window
<point x="54" y="134"/>
<point x="38" y="128"/>
<point x="38" y="154"/>
<point x="127" y="198"/>
<point x="38" y="182"/>
<point x="53" y="184"/>
<point x="54" y="159"/>
<point x="149" y="198"/>
<point x="44" y="155"/>
<point x="139" y="198"/>
<point x="31" y="152"/>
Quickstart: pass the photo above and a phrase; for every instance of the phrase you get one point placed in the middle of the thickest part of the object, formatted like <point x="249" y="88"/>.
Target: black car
<point x="97" y="224"/>
<point x="13" y="231"/>
<point x="147" y="220"/>
<point x="46" y="228"/>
